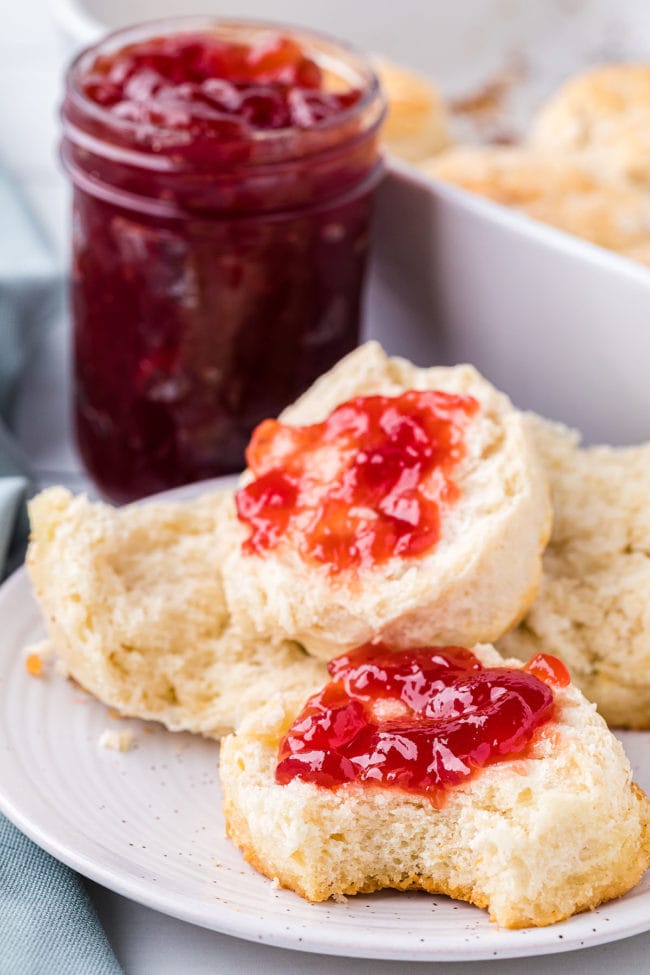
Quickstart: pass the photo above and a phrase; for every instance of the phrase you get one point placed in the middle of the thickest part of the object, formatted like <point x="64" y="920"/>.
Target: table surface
<point x="31" y="59"/>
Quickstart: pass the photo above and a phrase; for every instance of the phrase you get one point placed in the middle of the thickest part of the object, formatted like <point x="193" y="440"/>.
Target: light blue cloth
<point x="48" y="925"/>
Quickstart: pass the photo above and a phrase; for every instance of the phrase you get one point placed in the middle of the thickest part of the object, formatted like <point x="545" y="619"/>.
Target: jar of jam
<point x="223" y="177"/>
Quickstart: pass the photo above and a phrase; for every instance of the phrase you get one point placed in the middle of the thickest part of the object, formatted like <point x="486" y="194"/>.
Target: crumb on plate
<point x="35" y="656"/>
<point x="34" y="664"/>
<point x="118" y="741"/>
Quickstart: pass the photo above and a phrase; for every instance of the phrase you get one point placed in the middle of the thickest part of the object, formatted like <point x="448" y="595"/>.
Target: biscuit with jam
<point x="389" y="501"/>
<point x="442" y="770"/>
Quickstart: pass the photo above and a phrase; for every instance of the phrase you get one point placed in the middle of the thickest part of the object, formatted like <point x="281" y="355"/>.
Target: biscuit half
<point x="593" y="607"/>
<point x="477" y="581"/>
<point x="534" y="840"/>
<point x="133" y="603"/>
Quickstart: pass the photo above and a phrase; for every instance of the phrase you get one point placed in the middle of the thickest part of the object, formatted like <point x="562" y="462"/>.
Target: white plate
<point x="148" y="825"/>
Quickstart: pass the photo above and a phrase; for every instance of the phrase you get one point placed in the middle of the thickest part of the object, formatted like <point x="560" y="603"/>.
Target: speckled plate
<point x="148" y="824"/>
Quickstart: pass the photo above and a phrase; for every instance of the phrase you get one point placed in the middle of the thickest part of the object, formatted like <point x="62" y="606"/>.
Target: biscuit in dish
<point x="416" y="123"/>
<point x="593" y="607"/>
<point x="603" y="118"/>
<point x="534" y="839"/>
<point x="476" y="581"/>
<point x="555" y="189"/>
<point x="133" y="604"/>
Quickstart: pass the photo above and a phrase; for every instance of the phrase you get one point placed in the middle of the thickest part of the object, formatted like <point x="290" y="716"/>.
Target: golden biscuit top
<point x="416" y="125"/>
<point x="603" y="114"/>
<point x="562" y="192"/>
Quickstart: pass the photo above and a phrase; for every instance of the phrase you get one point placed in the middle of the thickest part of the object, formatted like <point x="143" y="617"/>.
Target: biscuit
<point x="593" y="607"/>
<point x="555" y="189"/>
<point x="480" y="577"/>
<point x="603" y="118"/>
<point x="416" y="123"/>
<point x="533" y="839"/>
<point x="133" y="603"/>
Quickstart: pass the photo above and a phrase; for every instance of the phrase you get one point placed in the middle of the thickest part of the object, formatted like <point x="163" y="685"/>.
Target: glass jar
<point x="213" y="279"/>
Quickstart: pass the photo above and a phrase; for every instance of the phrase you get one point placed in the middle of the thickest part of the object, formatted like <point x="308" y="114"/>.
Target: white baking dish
<point x="561" y="325"/>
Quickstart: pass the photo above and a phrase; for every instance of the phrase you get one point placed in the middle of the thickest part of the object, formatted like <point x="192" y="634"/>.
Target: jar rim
<point x="330" y="46"/>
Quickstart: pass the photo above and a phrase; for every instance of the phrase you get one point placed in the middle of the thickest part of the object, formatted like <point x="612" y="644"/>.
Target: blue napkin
<point x="48" y="925"/>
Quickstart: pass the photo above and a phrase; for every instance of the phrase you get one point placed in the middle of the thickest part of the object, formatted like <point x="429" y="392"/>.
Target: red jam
<point x="200" y="85"/>
<point x="223" y="184"/>
<point x="419" y="720"/>
<point x="370" y="482"/>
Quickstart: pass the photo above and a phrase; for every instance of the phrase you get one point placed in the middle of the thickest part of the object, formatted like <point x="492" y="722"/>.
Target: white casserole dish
<point x="561" y="325"/>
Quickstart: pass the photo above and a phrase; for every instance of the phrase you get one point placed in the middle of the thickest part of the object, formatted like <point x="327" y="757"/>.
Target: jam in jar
<point x="421" y="720"/>
<point x="223" y="175"/>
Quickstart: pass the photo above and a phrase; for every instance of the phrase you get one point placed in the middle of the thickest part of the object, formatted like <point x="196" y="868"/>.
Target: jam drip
<point x="369" y="483"/>
<point x="419" y="720"/>
<point x="203" y="86"/>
